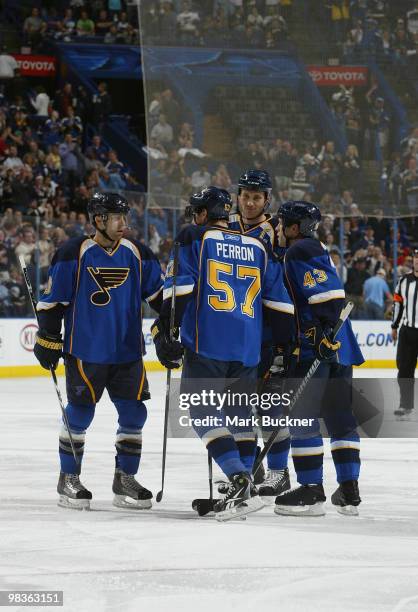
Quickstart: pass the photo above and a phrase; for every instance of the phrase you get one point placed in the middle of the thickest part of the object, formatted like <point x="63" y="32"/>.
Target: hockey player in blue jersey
<point x="318" y="297"/>
<point x="97" y="286"/>
<point x="252" y="219"/>
<point x="224" y="282"/>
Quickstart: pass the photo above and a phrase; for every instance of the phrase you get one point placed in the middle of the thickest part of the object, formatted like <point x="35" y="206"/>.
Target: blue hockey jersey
<point x="318" y="295"/>
<point x="266" y="232"/>
<point x="100" y="294"/>
<point x="227" y="278"/>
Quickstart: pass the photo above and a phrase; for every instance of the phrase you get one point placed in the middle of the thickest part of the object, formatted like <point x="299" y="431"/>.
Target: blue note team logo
<point x="106" y="279"/>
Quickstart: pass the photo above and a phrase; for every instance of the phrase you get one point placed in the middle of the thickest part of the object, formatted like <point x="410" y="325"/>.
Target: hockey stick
<point x="315" y="365"/>
<point x="159" y="495"/>
<point x="51" y="369"/>
<point x="203" y="505"/>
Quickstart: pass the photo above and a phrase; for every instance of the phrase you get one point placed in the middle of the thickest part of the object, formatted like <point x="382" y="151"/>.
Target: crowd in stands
<point x="217" y="23"/>
<point x="49" y="168"/>
<point x="229" y="23"/>
<point x="108" y="21"/>
<point x="384" y="30"/>
<point x="316" y="172"/>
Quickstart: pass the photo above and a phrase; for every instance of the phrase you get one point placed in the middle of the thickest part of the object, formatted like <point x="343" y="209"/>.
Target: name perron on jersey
<point x="103" y="294"/>
<point x="228" y="278"/>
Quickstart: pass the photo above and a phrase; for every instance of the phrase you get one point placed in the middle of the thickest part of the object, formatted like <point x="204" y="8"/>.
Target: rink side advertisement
<point x="17" y="337"/>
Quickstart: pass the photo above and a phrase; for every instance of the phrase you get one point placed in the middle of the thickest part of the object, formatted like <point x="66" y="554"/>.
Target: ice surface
<point x="169" y="559"/>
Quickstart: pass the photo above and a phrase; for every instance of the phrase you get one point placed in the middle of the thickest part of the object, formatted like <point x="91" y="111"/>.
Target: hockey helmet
<point x="104" y="203"/>
<point x="305" y="214"/>
<point x="217" y="202"/>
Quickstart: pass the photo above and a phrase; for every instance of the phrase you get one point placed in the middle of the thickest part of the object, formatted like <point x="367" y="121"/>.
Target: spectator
<point x="67" y="28"/>
<point x="356" y="277"/>
<point x="102" y="104"/>
<point x="168" y="22"/>
<point x="378" y="124"/>
<point x="200" y="178"/>
<point x="114" y="166"/>
<point x="188" y="21"/>
<point x="65" y="98"/>
<point x="98" y="149"/>
<point x="351" y="169"/>
<point x="68" y="152"/>
<point x="221" y="178"/>
<point x="34" y="28"/>
<point x="9" y="68"/>
<point x="103" y="24"/>
<point x="189" y="149"/>
<point x="170" y="108"/>
<point x="111" y="37"/>
<point x="375" y="292"/>
<point x="77" y="5"/>
<point x="13" y="161"/>
<point x="162" y="132"/>
<point x="114" y="7"/>
<point x="254" y="18"/>
<point x="27" y="244"/>
<point x="155" y="108"/>
<point x="71" y="123"/>
<point x="85" y="25"/>
<point x="41" y="102"/>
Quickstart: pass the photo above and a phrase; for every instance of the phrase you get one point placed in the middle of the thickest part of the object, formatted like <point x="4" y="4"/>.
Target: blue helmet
<point x="255" y="180"/>
<point x="305" y="214"/>
<point x="104" y="203"/>
<point x="217" y="202"/>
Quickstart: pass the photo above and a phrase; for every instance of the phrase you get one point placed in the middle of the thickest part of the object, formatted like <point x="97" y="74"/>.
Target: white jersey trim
<point x="334" y="294"/>
<point x="281" y="306"/>
<point x="180" y="290"/>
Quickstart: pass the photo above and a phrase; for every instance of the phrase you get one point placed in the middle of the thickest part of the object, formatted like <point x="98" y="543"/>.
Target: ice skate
<point x="129" y="493"/>
<point x="72" y="494"/>
<point x="275" y="483"/>
<point x="402" y="412"/>
<point x="346" y="498"/>
<point x="306" y="500"/>
<point x="241" y="499"/>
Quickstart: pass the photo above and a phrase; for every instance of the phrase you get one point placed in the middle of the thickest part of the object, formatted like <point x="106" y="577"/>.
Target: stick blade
<point x="203" y="506"/>
<point x="159" y="496"/>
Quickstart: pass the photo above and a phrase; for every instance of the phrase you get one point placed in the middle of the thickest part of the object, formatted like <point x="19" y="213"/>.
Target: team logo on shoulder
<point x="106" y="279"/>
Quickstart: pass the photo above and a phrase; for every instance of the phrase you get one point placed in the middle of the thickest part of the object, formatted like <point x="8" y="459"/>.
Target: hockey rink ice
<point x="168" y="559"/>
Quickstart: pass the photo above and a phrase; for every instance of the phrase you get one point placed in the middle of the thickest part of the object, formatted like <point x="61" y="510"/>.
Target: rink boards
<point x="17" y="338"/>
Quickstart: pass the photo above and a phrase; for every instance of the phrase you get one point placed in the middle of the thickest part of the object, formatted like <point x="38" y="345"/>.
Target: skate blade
<point x="124" y="501"/>
<point x="347" y="510"/>
<point x="268" y="499"/>
<point x="314" y="510"/>
<point x="74" y="504"/>
<point x="254" y="504"/>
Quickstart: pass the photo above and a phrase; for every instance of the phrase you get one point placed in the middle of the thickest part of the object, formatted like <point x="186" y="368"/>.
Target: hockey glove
<point x="320" y="340"/>
<point x="47" y="349"/>
<point x="169" y="352"/>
